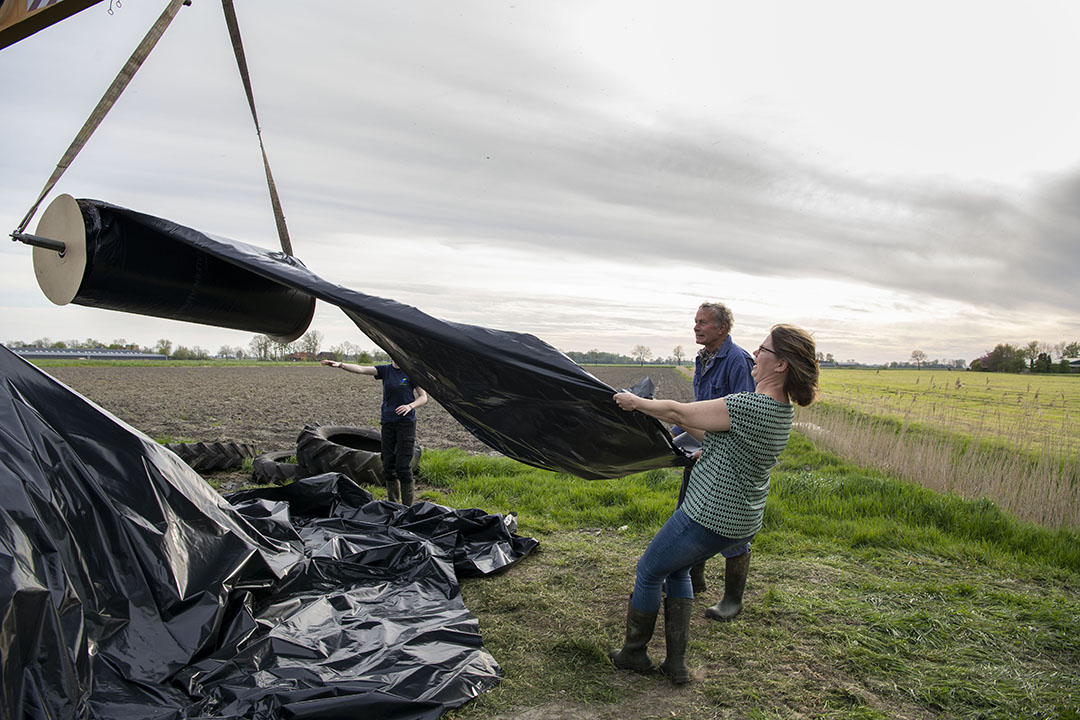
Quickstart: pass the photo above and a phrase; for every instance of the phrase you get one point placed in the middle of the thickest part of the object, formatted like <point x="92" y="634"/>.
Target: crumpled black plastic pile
<point x="130" y="589"/>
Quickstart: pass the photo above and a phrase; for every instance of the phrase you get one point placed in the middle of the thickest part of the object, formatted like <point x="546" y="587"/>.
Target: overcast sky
<point x="890" y="176"/>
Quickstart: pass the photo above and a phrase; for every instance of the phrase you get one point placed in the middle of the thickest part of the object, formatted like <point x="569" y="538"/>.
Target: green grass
<point x="868" y="597"/>
<point x="1028" y="412"/>
<point x="547" y="501"/>
<point x="818" y="494"/>
<point x="169" y="439"/>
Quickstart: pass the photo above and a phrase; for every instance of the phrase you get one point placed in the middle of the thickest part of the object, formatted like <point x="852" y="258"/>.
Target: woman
<point x="742" y="436"/>
<point x="397" y="423"/>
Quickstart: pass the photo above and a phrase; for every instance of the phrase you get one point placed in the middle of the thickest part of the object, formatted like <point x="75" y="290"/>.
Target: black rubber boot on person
<point x="734" y="585"/>
<point x="393" y="491"/>
<point x="697" y="578"/>
<point x="408" y="488"/>
<point x="639" y="630"/>
<point x="677" y="613"/>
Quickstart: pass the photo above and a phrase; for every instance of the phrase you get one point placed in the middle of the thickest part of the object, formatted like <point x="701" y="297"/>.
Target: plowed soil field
<point x="267" y="406"/>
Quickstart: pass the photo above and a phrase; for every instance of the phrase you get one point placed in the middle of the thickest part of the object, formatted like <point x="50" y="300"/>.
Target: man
<point x="400" y="398"/>
<point x="720" y="368"/>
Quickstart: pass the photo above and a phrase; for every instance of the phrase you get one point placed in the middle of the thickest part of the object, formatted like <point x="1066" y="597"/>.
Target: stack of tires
<point x="352" y="451"/>
<point x="213" y="456"/>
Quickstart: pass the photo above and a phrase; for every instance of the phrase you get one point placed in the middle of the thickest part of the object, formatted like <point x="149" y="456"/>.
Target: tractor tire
<point x="213" y="456"/>
<point x="271" y="468"/>
<point x="352" y="451"/>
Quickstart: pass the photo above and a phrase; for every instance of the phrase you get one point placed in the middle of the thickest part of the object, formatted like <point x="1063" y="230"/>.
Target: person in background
<point x="721" y="368"/>
<point x="400" y="398"/>
<point x="742" y="436"/>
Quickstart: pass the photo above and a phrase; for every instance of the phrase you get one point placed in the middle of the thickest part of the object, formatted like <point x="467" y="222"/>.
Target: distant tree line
<point x="261" y="347"/>
<point x="88" y="343"/>
<point x="640" y="355"/>
<point x="1035" y="357"/>
<point x="309" y="347"/>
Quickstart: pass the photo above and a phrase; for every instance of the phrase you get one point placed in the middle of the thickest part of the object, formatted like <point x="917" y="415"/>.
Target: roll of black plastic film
<point x="119" y="259"/>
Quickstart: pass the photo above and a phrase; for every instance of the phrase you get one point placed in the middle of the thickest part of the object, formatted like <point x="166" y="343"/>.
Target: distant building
<point x="1074" y="364"/>
<point x="38" y="353"/>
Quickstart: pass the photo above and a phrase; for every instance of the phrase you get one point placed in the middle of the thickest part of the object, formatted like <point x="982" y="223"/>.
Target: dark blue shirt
<point x="397" y="390"/>
<point x="724" y="372"/>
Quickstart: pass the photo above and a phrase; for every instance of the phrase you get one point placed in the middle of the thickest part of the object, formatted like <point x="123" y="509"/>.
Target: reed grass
<point x="1025" y="456"/>
<point x="1022" y="411"/>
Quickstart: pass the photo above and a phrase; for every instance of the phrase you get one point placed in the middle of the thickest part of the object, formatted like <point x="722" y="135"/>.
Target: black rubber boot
<point x="697" y="578"/>
<point x="677" y="633"/>
<point x="639" y="630"/>
<point x="407" y="491"/>
<point x="393" y="491"/>
<point x="734" y="584"/>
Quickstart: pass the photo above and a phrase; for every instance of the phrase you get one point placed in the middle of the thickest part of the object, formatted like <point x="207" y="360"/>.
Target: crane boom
<point x="22" y="18"/>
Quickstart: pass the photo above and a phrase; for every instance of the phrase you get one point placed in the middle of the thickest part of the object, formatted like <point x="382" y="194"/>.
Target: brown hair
<point x="797" y="347"/>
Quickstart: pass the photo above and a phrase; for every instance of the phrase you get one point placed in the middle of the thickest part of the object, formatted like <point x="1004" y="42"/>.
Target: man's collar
<point x="720" y="351"/>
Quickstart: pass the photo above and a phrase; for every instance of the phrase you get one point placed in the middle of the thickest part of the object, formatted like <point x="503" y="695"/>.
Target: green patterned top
<point x="730" y="480"/>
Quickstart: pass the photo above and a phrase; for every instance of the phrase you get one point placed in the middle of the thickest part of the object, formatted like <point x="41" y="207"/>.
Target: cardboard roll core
<point x="118" y="259"/>
<point x="60" y="275"/>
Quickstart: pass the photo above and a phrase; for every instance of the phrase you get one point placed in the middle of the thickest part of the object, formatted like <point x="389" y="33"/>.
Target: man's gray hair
<point x="721" y="312"/>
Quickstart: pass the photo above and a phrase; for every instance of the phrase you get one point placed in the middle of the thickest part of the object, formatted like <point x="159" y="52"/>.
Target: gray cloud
<point x="725" y="200"/>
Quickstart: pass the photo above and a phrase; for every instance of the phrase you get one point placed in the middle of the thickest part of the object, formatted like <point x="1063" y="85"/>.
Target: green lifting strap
<point x="241" y="64"/>
<point x="105" y="104"/>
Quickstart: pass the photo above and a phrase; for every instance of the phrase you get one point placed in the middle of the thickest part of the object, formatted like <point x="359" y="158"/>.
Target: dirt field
<point x="268" y="406"/>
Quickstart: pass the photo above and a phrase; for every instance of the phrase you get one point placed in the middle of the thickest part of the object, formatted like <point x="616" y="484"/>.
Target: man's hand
<point x="331" y="363"/>
<point x="626" y="401"/>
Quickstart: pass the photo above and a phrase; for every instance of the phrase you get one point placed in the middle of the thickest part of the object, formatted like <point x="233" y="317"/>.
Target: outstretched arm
<point x="349" y="367"/>
<point x="707" y="415"/>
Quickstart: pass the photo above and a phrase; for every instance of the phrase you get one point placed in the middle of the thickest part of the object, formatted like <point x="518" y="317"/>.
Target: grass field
<point x="1014" y="439"/>
<point x="1029" y="412"/>
<point x="869" y="598"/>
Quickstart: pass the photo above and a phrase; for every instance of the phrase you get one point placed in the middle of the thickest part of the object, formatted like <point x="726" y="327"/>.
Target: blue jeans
<point x="728" y="552"/>
<point x="680" y="544"/>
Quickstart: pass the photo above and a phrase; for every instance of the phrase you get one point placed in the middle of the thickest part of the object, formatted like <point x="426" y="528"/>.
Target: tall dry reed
<point x="1034" y="476"/>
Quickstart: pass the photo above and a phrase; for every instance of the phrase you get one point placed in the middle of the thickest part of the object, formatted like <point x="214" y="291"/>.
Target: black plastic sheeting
<point x="130" y="589"/>
<point x="186" y="284"/>
<point x="513" y="391"/>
